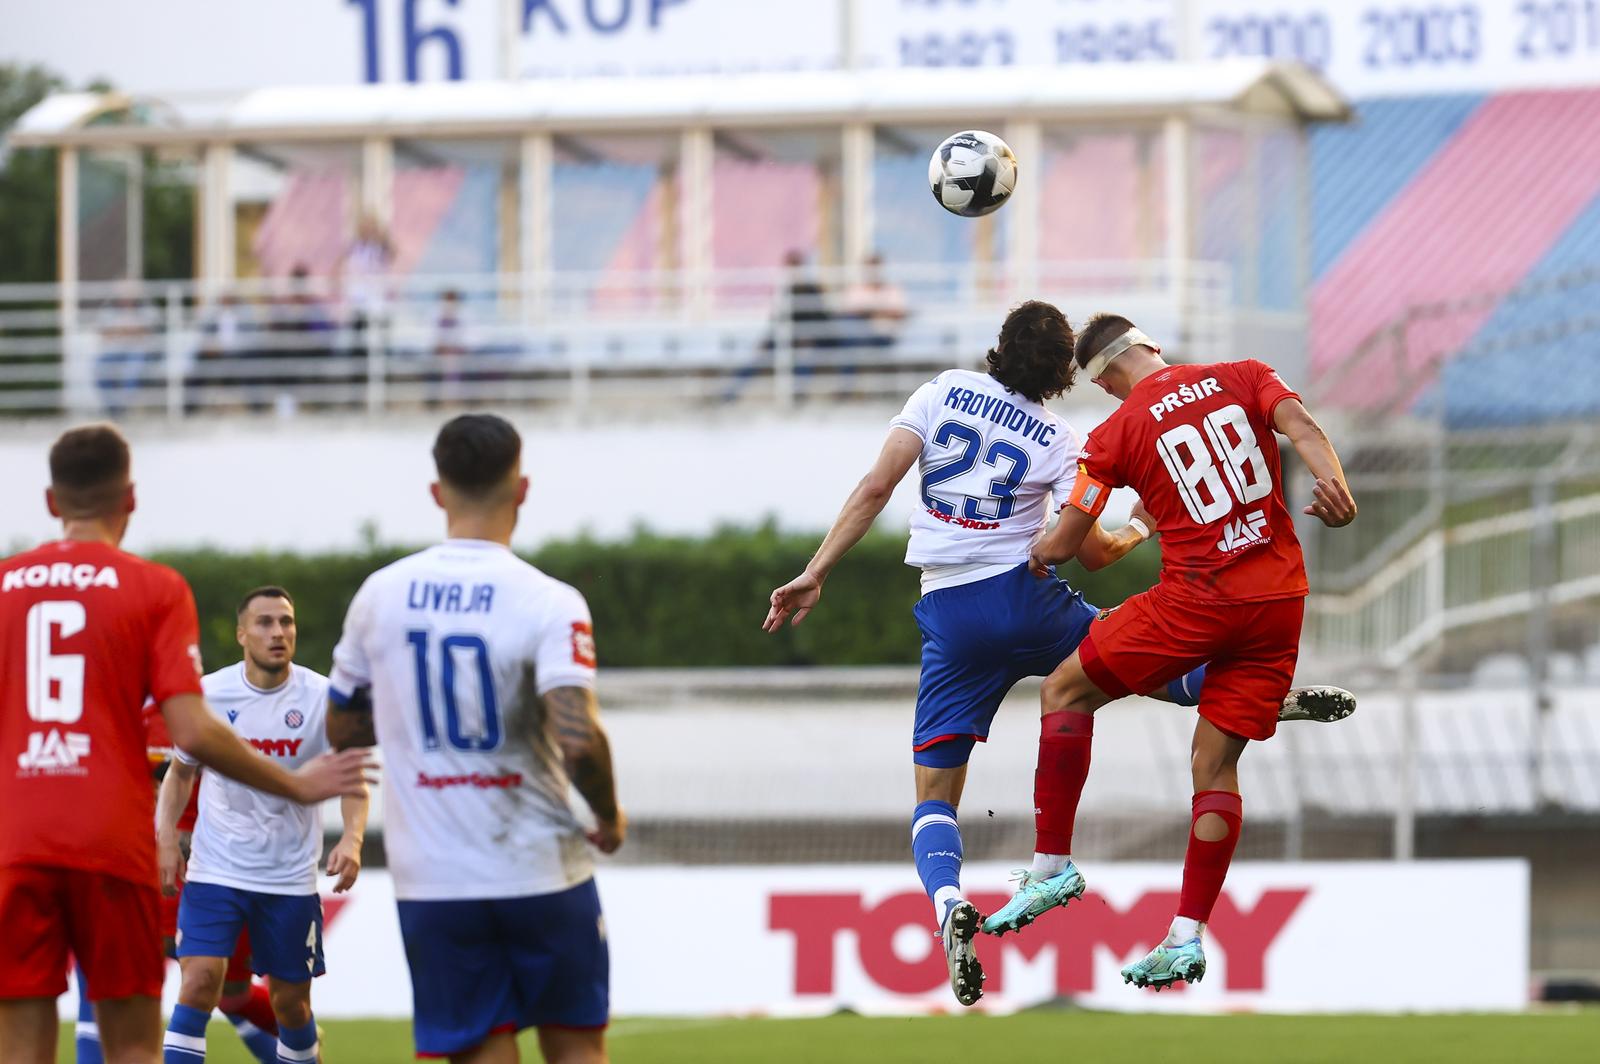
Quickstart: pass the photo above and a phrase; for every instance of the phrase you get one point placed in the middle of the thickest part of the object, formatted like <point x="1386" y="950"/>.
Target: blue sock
<point x="186" y="1036"/>
<point x="936" y="847"/>
<point x="1185" y="690"/>
<point x="88" y="1034"/>
<point x="263" y="1045"/>
<point x="297" y="1045"/>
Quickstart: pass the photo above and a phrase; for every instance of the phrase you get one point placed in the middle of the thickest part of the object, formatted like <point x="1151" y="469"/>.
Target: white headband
<point x="1108" y="354"/>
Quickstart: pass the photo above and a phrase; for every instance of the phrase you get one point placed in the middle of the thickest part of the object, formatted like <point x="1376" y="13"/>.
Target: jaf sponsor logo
<point x="1071" y="939"/>
<point x="1243" y="531"/>
<point x="54" y="753"/>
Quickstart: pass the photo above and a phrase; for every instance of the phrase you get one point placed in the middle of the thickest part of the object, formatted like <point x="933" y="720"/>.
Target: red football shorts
<point x="239" y="964"/>
<point x="112" y="926"/>
<point x="1249" y="650"/>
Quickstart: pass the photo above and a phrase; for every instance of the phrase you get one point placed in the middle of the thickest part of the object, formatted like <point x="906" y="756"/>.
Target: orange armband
<point x="1088" y="494"/>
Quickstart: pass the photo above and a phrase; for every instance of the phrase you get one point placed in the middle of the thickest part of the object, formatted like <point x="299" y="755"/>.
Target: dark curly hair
<point x="1034" y="354"/>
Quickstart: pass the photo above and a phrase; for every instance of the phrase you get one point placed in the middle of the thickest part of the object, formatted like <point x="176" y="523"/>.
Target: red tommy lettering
<point x="1246" y="936"/>
<point x="1073" y="936"/>
<point x="277" y="747"/>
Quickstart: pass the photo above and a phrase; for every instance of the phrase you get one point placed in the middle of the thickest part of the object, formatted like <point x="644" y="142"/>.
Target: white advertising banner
<point x="1379" y="47"/>
<point x="1305" y="937"/>
<point x="1367" y="48"/>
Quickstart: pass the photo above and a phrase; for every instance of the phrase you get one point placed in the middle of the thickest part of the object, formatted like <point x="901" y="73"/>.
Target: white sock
<point x="1183" y="930"/>
<point x="1048" y="864"/>
<point x="941" y="901"/>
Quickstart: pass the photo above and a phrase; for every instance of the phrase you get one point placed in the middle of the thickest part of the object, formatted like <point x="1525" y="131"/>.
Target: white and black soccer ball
<point x="972" y="173"/>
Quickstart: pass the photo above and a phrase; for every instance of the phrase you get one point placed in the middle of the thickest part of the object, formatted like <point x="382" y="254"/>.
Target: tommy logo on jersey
<point x="1242" y="532"/>
<point x="583" y="648"/>
<point x="277" y="747"/>
<point x="55" y="753"/>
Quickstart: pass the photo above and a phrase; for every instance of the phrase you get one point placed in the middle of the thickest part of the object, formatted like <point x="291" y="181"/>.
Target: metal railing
<point x="375" y="344"/>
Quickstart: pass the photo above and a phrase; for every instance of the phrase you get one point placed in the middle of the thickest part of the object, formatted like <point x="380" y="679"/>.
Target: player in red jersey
<point x="1197" y="443"/>
<point x="245" y="1003"/>
<point x="87" y="634"/>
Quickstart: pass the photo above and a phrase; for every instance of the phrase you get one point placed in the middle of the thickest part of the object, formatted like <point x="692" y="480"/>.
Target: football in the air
<point x="972" y="173"/>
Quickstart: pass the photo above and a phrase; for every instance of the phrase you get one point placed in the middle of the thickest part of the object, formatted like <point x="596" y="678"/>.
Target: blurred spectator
<point x="874" y="308"/>
<point x="225" y="334"/>
<point x="450" y="347"/>
<point x="366" y="269"/>
<point x="301" y="338"/>
<point x="130" y="348"/>
<point x="804" y="306"/>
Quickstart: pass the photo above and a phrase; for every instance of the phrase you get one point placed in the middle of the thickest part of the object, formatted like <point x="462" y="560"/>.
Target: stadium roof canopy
<point x="1072" y="93"/>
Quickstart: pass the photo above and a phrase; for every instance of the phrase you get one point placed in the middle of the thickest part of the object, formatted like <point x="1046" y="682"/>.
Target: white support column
<point x="77" y="365"/>
<point x="133" y="263"/>
<point x="534" y="179"/>
<point x="697" y="157"/>
<point x="377" y="178"/>
<point x="67" y="233"/>
<point x="377" y="199"/>
<point x="1023" y="211"/>
<point x="855" y="178"/>
<point x="216" y="266"/>
<point x="1178" y="140"/>
<point x="1247" y="289"/>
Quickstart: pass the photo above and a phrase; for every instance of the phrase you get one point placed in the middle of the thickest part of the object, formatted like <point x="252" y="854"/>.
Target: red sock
<point x="1205" y="864"/>
<point x="1064" y="740"/>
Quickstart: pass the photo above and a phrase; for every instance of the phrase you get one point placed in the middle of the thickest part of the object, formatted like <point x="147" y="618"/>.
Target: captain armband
<point x="1088" y="494"/>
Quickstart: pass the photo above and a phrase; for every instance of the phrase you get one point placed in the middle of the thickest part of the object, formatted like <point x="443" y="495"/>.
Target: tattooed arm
<point x="575" y="717"/>
<point x="350" y="720"/>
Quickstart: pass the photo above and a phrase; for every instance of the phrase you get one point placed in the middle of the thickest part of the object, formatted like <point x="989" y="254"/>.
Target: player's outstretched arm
<point x="1101" y="547"/>
<point x="214" y="745"/>
<point x="861" y="509"/>
<point x="1332" y="503"/>
<point x="575" y="716"/>
<point x="1062" y="542"/>
<point x="176" y="789"/>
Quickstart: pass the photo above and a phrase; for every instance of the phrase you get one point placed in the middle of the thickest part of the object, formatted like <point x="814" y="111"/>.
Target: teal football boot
<point x="1166" y="965"/>
<point x="1035" y="896"/>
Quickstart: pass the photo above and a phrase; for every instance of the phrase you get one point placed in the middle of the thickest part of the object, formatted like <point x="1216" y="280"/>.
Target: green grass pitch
<point x="1080" y="1036"/>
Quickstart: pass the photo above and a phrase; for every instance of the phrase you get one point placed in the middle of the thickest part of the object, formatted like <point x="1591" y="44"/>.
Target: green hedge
<point x="657" y="600"/>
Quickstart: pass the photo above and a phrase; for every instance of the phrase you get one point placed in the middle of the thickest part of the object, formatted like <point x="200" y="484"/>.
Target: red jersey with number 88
<point x="1197" y="444"/>
<point x="87" y="633"/>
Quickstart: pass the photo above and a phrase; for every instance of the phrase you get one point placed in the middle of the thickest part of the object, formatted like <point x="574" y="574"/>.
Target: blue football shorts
<point x="483" y="966"/>
<point x="978" y="640"/>
<point x="285" y="929"/>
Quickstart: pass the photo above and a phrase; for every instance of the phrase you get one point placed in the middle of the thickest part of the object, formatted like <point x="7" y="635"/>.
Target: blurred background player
<point x="992" y="457"/>
<point x="253" y="862"/>
<point x="1196" y="442"/>
<point x="475" y="672"/>
<point x="95" y="626"/>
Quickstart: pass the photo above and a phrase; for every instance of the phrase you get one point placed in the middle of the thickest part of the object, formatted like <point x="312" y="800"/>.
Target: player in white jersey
<point x="253" y="857"/>
<point x="475" y="673"/>
<point x="995" y="464"/>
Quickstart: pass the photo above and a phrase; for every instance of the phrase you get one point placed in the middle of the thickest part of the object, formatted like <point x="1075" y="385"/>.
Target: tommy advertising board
<point x="805" y="940"/>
